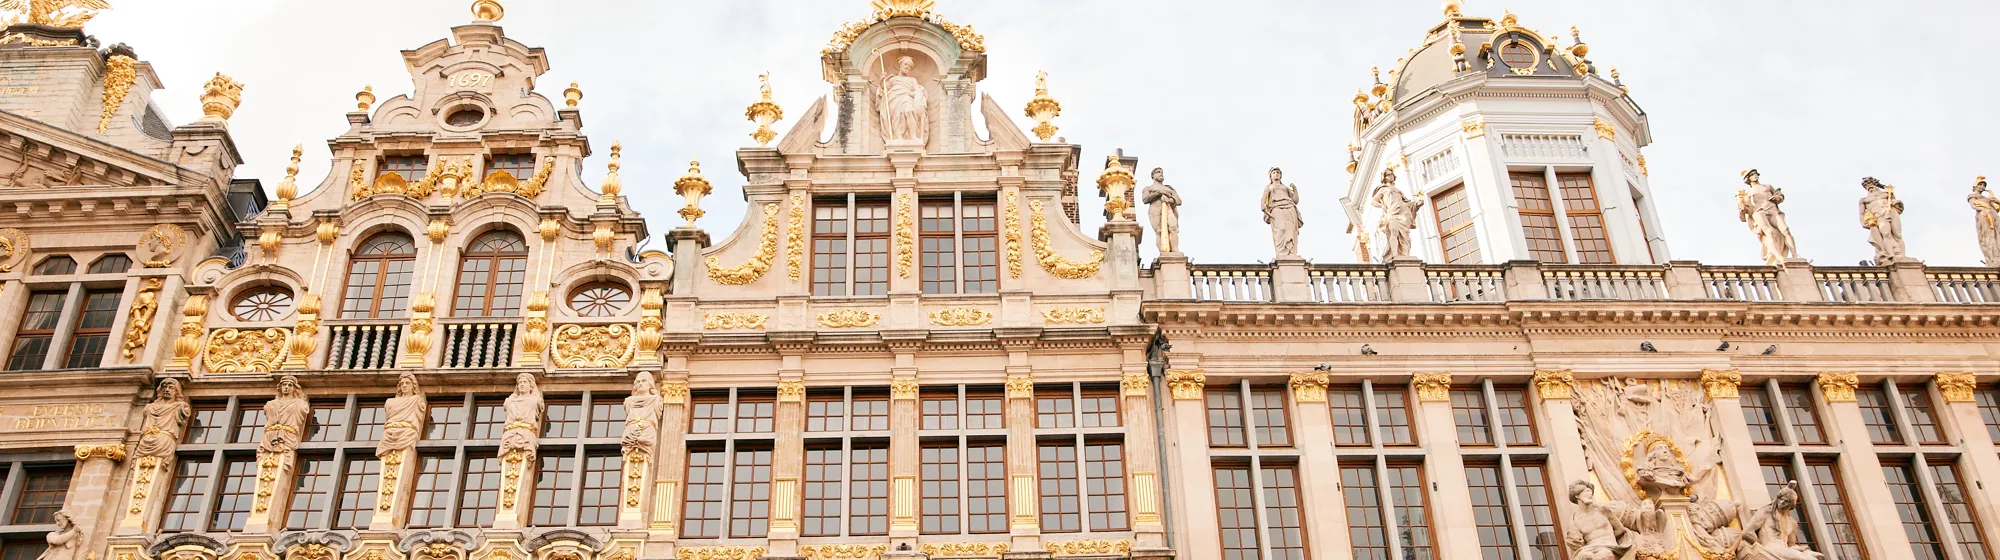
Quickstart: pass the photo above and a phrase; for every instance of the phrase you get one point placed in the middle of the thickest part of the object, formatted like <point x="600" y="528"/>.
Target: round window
<point x="1518" y="55"/>
<point x="263" y="304"/>
<point x="602" y="299"/>
<point x="465" y="117"/>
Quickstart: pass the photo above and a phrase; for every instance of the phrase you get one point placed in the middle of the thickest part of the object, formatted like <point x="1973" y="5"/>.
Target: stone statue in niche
<point x="1757" y="205"/>
<point x="285" y="418"/>
<point x="524" y="417"/>
<point x="1882" y="214"/>
<point x="1163" y="204"/>
<point x="1986" y="221"/>
<point x="901" y="106"/>
<point x="1771" y="533"/>
<point x="406" y="414"/>
<point x="1399" y="217"/>
<point x="642" y="417"/>
<point x="64" y="540"/>
<point x="166" y="421"/>
<point x="1281" y="210"/>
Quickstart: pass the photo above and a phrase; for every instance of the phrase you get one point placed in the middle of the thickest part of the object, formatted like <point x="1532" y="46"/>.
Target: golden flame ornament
<point x="1043" y="108"/>
<point x="364" y="99"/>
<point x="692" y="186"/>
<point x="572" y="95"/>
<point x="1116" y="182"/>
<point x="764" y="112"/>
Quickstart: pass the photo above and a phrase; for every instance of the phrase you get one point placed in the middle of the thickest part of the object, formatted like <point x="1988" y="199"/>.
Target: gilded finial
<point x="288" y="188"/>
<point x="1116" y="181"/>
<point x="904" y="8"/>
<point x="1579" y="49"/>
<point x="1379" y="89"/>
<point x="692" y="186"/>
<point x="764" y="112"/>
<point x="1507" y="19"/>
<point x="364" y="99"/>
<point x="487" y="11"/>
<point x="572" y="95"/>
<point x="1453" y="8"/>
<point x="220" y="97"/>
<point x="612" y="185"/>
<point x="1043" y="108"/>
<point x="67" y="14"/>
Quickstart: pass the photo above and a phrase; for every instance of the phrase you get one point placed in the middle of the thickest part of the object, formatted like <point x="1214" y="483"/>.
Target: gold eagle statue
<point x="53" y="13"/>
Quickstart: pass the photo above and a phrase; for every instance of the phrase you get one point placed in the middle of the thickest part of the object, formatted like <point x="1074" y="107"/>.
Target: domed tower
<point x="1512" y="146"/>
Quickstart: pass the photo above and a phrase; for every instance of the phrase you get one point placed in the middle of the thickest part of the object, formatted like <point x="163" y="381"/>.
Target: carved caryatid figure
<point x="407" y="412"/>
<point x="903" y="112"/>
<point x="285" y="418"/>
<point x="1163" y="205"/>
<point x="166" y="421"/>
<point x="1399" y="216"/>
<point x="1281" y="210"/>
<point x="1757" y="205"/>
<point x="1882" y="214"/>
<point x="1771" y="533"/>
<point x="64" y="540"/>
<point x="1986" y="220"/>
<point x="524" y="417"/>
<point x="1595" y="531"/>
<point x="642" y="416"/>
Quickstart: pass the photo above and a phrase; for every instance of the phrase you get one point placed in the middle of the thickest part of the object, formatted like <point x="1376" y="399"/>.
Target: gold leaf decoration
<point x="795" y="237"/>
<point x="848" y="318"/>
<point x="721" y="552"/>
<point x="1957" y="387"/>
<point x="1075" y="315"/>
<point x="539" y="182"/>
<point x="1432" y="386"/>
<point x="140" y="325"/>
<point x="1721" y="383"/>
<point x="1310" y="387"/>
<point x="1013" y="234"/>
<point x="966" y="548"/>
<point x="1092" y="546"/>
<point x="247" y="351"/>
<point x="1187" y="384"/>
<point x="961" y="316"/>
<point x="837" y="551"/>
<point x="119" y="72"/>
<point x="906" y="235"/>
<point x="1839" y="386"/>
<point x="751" y="270"/>
<point x="602" y="346"/>
<point x="1058" y="265"/>
<point x="1555" y="383"/>
<point x="734" y="320"/>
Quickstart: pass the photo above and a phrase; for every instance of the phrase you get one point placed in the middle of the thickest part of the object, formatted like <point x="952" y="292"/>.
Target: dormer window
<point x="521" y="166"/>
<point x="410" y="168"/>
<point x="1518" y="54"/>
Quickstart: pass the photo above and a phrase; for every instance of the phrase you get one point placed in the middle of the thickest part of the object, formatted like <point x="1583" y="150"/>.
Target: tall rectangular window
<point x="1237" y="512"/>
<point x="1367" y="527"/>
<point x="1267" y="407"/>
<point x="553" y="479"/>
<point x="1910" y="507"/>
<point x="1282" y="512"/>
<point x="1538" y="517"/>
<point x="1104" y="483"/>
<point x="1515" y="421"/>
<point x="822" y="482"/>
<point x="1876" y="414"/>
<point x="430" y="497"/>
<point x="871" y="248"/>
<point x="1958" y="511"/>
<point x="829" y="240"/>
<point x="1489" y="511"/>
<point x="311" y="492"/>
<point x="1799" y="408"/>
<point x="1758" y="416"/>
<point x="479" y="493"/>
<point x="940" y="491"/>
<point x="1350" y="416"/>
<point x="1843" y="541"/>
<point x="37" y="331"/>
<point x="1061" y="511"/>
<point x="1412" y="511"/>
<point x="1538" y="217"/>
<point x="357" y="492"/>
<point x="868" y="491"/>
<point x="938" y="245"/>
<point x="750" y="494"/>
<point x="980" y="257"/>
<point x="42" y="492"/>
<point x="1923" y="421"/>
<point x="1988" y="400"/>
<point x="599" y="503"/>
<point x="1455" y="232"/>
<point x="607" y="416"/>
<point x="702" y="507"/>
<point x="1392" y="414"/>
<point x="183" y="508"/>
<point x="93" y="329"/>
<point x="1225" y="419"/>
<point x="986" y="487"/>
<point x="1468" y="413"/>
<point x="1586" y="219"/>
<point x="232" y="502"/>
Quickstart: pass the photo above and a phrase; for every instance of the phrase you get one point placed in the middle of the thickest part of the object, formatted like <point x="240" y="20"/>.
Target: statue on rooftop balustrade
<point x="1882" y="214"/>
<point x="1163" y="204"/>
<point x="1986" y="220"/>
<point x="1757" y="205"/>
<point x="1399" y="216"/>
<point x="1281" y="210"/>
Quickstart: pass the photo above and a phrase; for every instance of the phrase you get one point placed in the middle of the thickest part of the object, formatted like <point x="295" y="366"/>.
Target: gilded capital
<point x="1957" y="386"/>
<point x="1020" y="387"/>
<point x="791" y="391"/>
<point x="1432" y="385"/>
<point x="1186" y="384"/>
<point x="113" y="451"/>
<point x="904" y="388"/>
<point x="1555" y="383"/>
<point x="674" y="392"/>
<point x="1838" y="386"/>
<point x="1135" y="385"/>
<point x="1721" y="383"/>
<point x="1310" y="387"/>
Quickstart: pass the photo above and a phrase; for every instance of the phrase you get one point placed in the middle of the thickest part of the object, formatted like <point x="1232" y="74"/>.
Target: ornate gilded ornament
<point x="364" y="99"/>
<point x="1043" y="108"/>
<point x="1057" y="265"/>
<point x="1074" y="315"/>
<point x="961" y="316"/>
<point x="537" y="183"/>
<point x="439" y="228"/>
<point x="13" y="248"/>
<point x="602" y="236"/>
<point x="848" y="319"/>
<point x="1605" y="130"/>
<point x="304" y="551"/>
<point x="764" y="112"/>
<point x="1186" y="384"/>
<point x="1555" y="383"/>
<point x="161" y="244"/>
<point x="247" y="351"/>
<point x="692" y="186"/>
<point x="417" y="337"/>
<point x="194" y="314"/>
<point x="1721" y="383"/>
<point x="487" y="11"/>
<point x="906" y="234"/>
<point x="220" y="97"/>
<point x="304" y="332"/>
<point x="603" y="346"/>
<point x="836" y="551"/>
<point x="119" y="72"/>
<point x="651" y="302"/>
<point x="535" y="327"/>
<point x="1310" y="387"/>
<point x="1013" y="224"/>
<point x="572" y="95"/>
<point x="438" y="550"/>
<point x="1134" y="384"/>
<point x="720" y="552"/>
<point x="1642" y="165"/>
<point x="1091" y="546"/>
<point x="139" y="326"/>
<point x="327" y="232"/>
<point x="965" y="548"/>
<point x="1432" y="386"/>
<point x="903" y="388"/>
<point x="1641" y="443"/>
<point x="1957" y="387"/>
<point x="795" y="237"/>
<point x="1020" y="387"/>
<point x="288" y="188"/>
<point x="113" y="451"/>
<point x="734" y="320"/>
<point x="921" y="9"/>
<point x="357" y="184"/>
<point x="67" y="14"/>
<point x="674" y="392"/>
<point x="612" y="186"/>
<point x="1116" y="182"/>
<point x="1473" y="128"/>
<point x="548" y="229"/>
<point x="1838" y="386"/>
<point x="791" y="391"/>
<point x="750" y="270"/>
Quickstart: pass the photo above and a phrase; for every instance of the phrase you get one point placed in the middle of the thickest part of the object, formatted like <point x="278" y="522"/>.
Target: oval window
<point x="465" y="117"/>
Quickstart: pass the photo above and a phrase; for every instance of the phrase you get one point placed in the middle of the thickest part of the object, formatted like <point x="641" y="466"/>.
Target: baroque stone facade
<point x="452" y="348"/>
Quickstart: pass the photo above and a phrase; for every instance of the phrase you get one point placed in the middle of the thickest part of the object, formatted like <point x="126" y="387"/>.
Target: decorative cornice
<point x="1838" y="386"/>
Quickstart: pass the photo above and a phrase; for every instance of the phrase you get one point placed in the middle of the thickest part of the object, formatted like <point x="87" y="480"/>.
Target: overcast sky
<point x="1815" y="94"/>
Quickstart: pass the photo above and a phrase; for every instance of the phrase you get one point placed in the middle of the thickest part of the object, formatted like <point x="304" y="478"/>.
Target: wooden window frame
<point x="1241" y="428"/>
<point x="831" y="246"/>
<point x="1504" y="420"/>
<point x="1879" y="416"/>
<point x="1471" y="429"/>
<point x="979" y="234"/>
<point x="1116" y="517"/>
<point x="1924" y="426"/>
<point x="1229" y="517"/>
<point x="868" y="489"/>
<point x="935" y="275"/>
<point x="1097" y="396"/>
<point x="879" y="276"/>
<point x="1337" y="403"/>
<point x="19" y="361"/>
<point x="379" y="280"/>
<point x="110" y="263"/>
<point x="511" y="163"/>
<point x="1839" y="487"/>
<point x="941" y="480"/>
<point x="489" y="290"/>
<point x="87" y="343"/>
<point x="1456" y="200"/>
<point x="1260" y="414"/>
<point x="1525" y="185"/>
<point x="829" y="483"/>
<point x="990" y="490"/>
<point x="750" y="488"/>
<point x="691" y="526"/>
<point x="1765" y="431"/>
<point x="1051" y="479"/>
<point x="1576" y="216"/>
<point x="1918" y="504"/>
<point x="410" y="168"/>
<point x="1808" y="405"/>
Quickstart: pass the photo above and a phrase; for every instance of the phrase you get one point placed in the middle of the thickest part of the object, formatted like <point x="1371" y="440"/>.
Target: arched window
<point x="1518" y="54"/>
<point x="268" y="303"/>
<point x="111" y="264"/>
<point x="378" y="278"/>
<point x="490" y="276"/>
<point x="600" y="299"/>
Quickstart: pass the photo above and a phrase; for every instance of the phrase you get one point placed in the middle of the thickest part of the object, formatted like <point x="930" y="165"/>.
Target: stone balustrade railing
<point x="1409" y="280"/>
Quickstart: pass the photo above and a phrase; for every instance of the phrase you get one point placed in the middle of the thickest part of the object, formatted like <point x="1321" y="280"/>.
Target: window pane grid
<point x="1923" y="421"/>
<point x="940" y="492"/>
<point x="1454" y="217"/>
<point x="554" y="477"/>
<point x="1799" y="408"/>
<point x="868" y="488"/>
<point x="1283" y="513"/>
<point x="750" y="494"/>
<point x="310" y="493"/>
<point x="1468" y="413"/>
<point x="1104" y="471"/>
<point x="1875" y="413"/>
<point x="1844" y="542"/>
<point x="1489" y="511"/>
<point x="1273" y="425"/>
<point x="1237" y="513"/>
<point x="1958" y="510"/>
<point x="1911" y="509"/>
<point x="479" y="493"/>
<point x="1758" y="416"/>
<point x="1060" y="509"/>
<point x="702" y="506"/>
<point x="357" y="492"/>
<point x="1538" y="217"/>
<point x="986" y="488"/>
<point x="41" y="495"/>
<point x="822" y="482"/>
<point x="1225" y="419"/>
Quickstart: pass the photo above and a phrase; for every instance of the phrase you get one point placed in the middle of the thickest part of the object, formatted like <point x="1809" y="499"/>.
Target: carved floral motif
<point x="836" y="551"/>
<point x="119" y="72"/>
<point x="1838" y="386"/>
<point x="906" y="234"/>
<point x="1074" y="315"/>
<point x="721" y="552"/>
<point x="605" y="346"/>
<point x="13" y="248"/>
<point x="1135" y="384"/>
<point x="1020" y="387"/>
<point x="1092" y="546"/>
<point x="848" y="318"/>
<point x="733" y="320"/>
<point x="751" y="270"/>
<point x="791" y="391"/>
<point x="903" y="388"/>
<point x="1957" y="387"/>
<point x="1432" y="386"/>
<point x="1554" y="383"/>
<point x="1013" y="224"/>
<point x="1058" y="265"/>
<point x="245" y="351"/>
<point x="139" y="326"/>
<point x="961" y="316"/>
<point x="966" y="548"/>
<point x="795" y="237"/>
<point x="1186" y="384"/>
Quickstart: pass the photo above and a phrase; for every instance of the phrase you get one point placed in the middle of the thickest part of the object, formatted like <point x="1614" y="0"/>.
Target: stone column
<point x="1193" y="487"/>
<point x="1739" y="456"/>
<point x="905" y="454"/>
<point x="1024" y="519"/>
<point x="687" y="243"/>
<point x="1319" y="473"/>
<point x="1556" y="389"/>
<point x="1452" y="527"/>
<point x="1981" y="461"/>
<point x="1142" y="453"/>
<point x="1861" y="472"/>
<point x="669" y="461"/>
<point x="91" y="491"/>
<point x="788" y="453"/>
